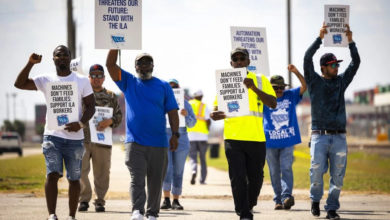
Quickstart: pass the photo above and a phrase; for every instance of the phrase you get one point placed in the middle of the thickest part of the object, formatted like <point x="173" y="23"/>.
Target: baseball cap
<point x="329" y="58"/>
<point x="173" y="81"/>
<point x="198" y="93"/>
<point x="142" y="55"/>
<point x="239" y="50"/>
<point x="96" y="67"/>
<point x="278" y="80"/>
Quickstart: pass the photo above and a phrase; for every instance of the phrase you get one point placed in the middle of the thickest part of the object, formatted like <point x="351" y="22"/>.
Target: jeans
<point x="280" y="168"/>
<point x="327" y="150"/>
<point x="58" y="151"/>
<point x="246" y="161"/>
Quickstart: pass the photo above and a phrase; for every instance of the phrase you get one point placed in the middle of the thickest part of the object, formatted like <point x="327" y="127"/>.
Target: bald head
<point x="61" y="48"/>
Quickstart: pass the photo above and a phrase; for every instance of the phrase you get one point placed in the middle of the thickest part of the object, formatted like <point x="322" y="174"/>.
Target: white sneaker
<point x="137" y="215"/>
<point x="52" y="217"/>
<point x="151" y="217"/>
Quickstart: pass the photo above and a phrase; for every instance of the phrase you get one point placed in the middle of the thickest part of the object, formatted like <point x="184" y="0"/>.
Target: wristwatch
<point x="81" y="124"/>
<point x="177" y="134"/>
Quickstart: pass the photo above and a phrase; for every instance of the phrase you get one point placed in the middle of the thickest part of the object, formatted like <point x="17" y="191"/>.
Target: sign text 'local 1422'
<point x="118" y="24"/>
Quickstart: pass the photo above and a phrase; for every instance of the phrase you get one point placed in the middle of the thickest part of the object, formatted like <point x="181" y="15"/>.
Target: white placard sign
<point x="118" y="24"/>
<point x="62" y="104"/>
<point x="179" y="96"/>
<point x="76" y="66"/>
<point x="231" y="92"/>
<point x="253" y="39"/>
<point x="336" y="16"/>
<point x="105" y="136"/>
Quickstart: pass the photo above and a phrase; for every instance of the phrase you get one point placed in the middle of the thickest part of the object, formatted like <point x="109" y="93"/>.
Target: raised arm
<point x="293" y="69"/>
<point x="268" y="100"/>
<point x="355" y="63"/>
<point x="308" y="67"/>
<point x="112" y="67"/>
<point x="22" y="81"/>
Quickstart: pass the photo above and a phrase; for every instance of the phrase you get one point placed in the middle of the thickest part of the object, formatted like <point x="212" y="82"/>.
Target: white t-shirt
<point x="83" y="88"/>
<point x="197" y="136"/>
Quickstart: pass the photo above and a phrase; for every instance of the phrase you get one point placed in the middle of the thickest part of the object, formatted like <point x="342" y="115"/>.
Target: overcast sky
<point x="188" y="39"/>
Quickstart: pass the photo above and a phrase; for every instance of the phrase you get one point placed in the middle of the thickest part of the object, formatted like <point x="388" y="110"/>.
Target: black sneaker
<point x="176" y="205"/>
<point x="99" y="208"/>
<point x="193" y="178"/>
<point x="83" y="207"/>
<point x="332" y="215"/>
<point x="288" y="203"/>
<point x="166" y="204"/>
<point x="315" y="209"/>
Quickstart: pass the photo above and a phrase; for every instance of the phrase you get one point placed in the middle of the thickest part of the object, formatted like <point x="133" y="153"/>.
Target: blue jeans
<point x="327" y="150"/>
<point x="280" y="168"/>
<point x="58" y="151"/>
<point x="173" y="180"/>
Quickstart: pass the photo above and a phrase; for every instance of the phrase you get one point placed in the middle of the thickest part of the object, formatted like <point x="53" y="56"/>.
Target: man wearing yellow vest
<point x="198" y="136"/>
<point x="245" y="139"/>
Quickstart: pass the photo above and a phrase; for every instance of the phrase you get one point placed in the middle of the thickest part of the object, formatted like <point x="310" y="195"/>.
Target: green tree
<point x="20" y="127"/>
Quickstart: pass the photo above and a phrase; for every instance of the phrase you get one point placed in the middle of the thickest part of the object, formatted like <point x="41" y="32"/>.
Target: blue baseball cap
<point x="173" y="81"/>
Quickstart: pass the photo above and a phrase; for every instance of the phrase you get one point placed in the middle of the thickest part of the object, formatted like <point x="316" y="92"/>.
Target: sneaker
<point x="287" y="203"/>
<point x="176" y="205"/>
<point x="193" y="179"/>
<point x="71" y="218"/>
<point x="99" y="208"/>
<point x="83" y="207"/>
<point x="52" y="217"/>
<point x="136" y="215"/>
<point x="332" y="215"/>
<point x="315" y="209"/>
<point x="278" y="206"/>
<point x="151" y="217"/>
<point x="166" y="204"/>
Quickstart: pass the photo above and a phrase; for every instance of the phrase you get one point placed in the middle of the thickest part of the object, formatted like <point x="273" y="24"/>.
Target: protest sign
<point x="76" y="66"/>
<point x="105" y="136"/>
<point x="255" y="41"/>
<point x="179" y="96"/>
<point x="336" y="17"/>
<point x="62" y="104"/>
<point x="232" y="94"/>
<point x="118" y="24"/>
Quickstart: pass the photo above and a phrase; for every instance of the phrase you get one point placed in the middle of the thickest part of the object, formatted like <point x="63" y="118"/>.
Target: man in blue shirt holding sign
<point x="148" y="99"/>
<point x="282" y="133"/>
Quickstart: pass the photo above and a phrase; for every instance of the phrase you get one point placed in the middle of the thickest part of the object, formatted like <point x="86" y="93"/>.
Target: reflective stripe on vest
<point x="199" y="109"/>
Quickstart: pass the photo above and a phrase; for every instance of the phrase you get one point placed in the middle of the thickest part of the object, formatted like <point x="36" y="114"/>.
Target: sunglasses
<point x="99" y="76"/>
<point x="144" y="62"/>
<point x="235" y="59"/>
<point x="334" y="65"/>
<point x="278" y="87"/>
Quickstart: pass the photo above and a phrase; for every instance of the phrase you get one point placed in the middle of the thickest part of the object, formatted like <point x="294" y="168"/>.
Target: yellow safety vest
<point x="199" y="109"/>
<point x="249" y="128"/>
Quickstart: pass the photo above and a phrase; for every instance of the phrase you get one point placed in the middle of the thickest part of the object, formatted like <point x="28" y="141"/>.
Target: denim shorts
<point x="58" y="151"/>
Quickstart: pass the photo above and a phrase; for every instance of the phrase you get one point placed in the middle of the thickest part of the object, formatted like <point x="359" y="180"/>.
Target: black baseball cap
<point x="96" y="67"/>
<point x="329" y="58"/>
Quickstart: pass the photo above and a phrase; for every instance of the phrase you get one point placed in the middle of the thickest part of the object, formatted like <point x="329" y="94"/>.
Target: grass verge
<point x="366" y="172"/>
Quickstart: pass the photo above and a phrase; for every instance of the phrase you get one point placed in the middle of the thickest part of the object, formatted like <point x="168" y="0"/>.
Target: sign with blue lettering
<point x="62" y="104"/>
<point x="336" y="17"/>
<point x="118" y="24"/>
<point x="232" y="94"/>
<point x="255" y="41"/>
<point x="97" y="135"/>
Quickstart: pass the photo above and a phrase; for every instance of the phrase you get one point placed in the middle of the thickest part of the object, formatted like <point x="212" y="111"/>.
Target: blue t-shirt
<point x="147" y="102"/>
<point x="280" y="124"/>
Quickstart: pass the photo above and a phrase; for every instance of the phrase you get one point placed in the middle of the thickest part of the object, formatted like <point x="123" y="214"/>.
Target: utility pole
<point x="14" y="96"/>
<point x="71" y="29"/>
<point x="289" y="40"/>
<point x="7" y="96"/>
